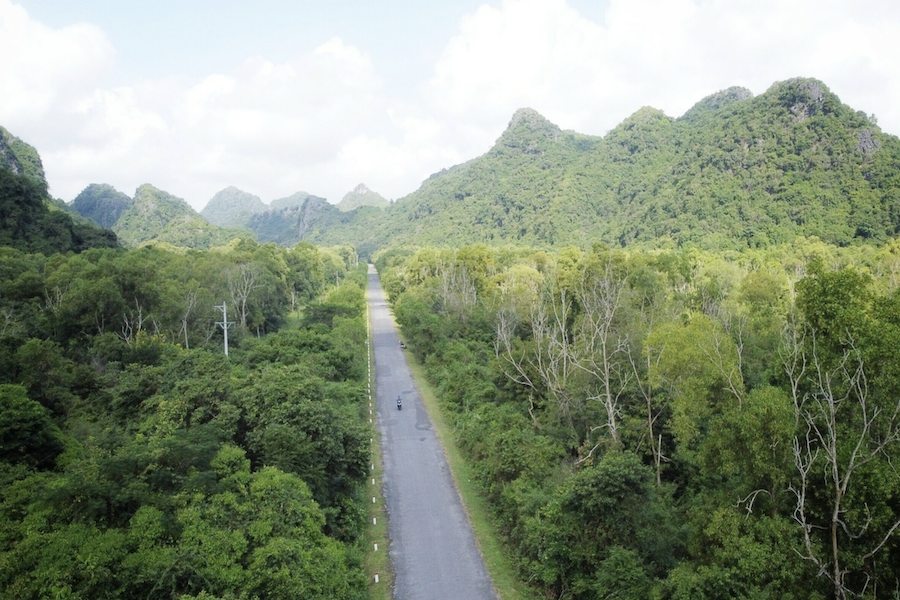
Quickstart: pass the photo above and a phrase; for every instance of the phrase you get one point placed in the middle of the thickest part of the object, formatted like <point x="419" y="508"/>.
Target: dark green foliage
<point x="102" y="204"/>
<point x="727" y="377"/>
<point x="133" y="467"/>
<point x="159" y="216"/>
<point x="601" y="517"/>
<point x="28" y="224"/>
<point x="21" y="158"/>
<point x="27" y="434"/>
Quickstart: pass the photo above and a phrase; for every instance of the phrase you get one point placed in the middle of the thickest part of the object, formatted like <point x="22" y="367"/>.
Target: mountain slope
<point x="29" y="219"/>
<point x="160" y="216"/>
<point x="362" y="196"/>
<point x="20" y="158"/>
<point x="735" y="171"/>
<point x="232" y="207"/>
<point x="295" y="200"/>
<point x="530" y="188"/>
<point x="101" y="203"/>
<point x="296" y="222"/>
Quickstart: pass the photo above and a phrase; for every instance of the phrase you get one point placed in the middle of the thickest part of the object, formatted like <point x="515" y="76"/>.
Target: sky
<point x="280" y="96"/>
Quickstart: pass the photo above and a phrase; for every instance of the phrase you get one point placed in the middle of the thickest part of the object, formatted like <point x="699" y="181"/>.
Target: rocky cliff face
<point x="20" y="158"/>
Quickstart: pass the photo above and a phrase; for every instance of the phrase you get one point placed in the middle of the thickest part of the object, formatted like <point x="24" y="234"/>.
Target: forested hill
<point x="232" y="207"/>
<point x="160" y="216"/>
<point x="362" y="196"/>
<point x="735" y="171"/>
<point x="29" y="220"/>
<point x="20" y="158"/>
<point x="101" y="203"/>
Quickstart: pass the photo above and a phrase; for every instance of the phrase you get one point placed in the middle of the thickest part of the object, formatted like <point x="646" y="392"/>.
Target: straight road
<point x="432" y="546"/>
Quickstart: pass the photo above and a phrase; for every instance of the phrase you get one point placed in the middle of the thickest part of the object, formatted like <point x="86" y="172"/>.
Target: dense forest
<point x="673" y="424"/>
<point x="137" y="460"/>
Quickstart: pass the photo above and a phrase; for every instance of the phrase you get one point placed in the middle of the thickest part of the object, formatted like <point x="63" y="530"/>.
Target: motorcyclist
<point x="399" y="403"/>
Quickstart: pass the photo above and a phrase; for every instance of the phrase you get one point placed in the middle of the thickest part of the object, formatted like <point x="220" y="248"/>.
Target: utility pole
<point x="224" y="324"/>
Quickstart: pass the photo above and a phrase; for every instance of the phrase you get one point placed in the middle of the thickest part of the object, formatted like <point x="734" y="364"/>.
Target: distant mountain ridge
<point x="735" y="171"/>
<point x="101" y="203"/>
<point x="159" y="216"/>
<point x="295" y="200"/>
<point x="232" y="207"/>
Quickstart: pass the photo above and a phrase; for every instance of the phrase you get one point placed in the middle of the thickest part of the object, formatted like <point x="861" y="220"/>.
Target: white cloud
<point x="525" y="53"/>
<point x="43" y="67"/>
<point x="269" y="127"/>
<point x="277" y="125"/>
<point x="663" y="53"/>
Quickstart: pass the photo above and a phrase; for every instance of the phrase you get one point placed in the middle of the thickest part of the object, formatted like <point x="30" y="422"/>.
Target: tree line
<point x="674" y="423"/>
<point x="137" y="460"/>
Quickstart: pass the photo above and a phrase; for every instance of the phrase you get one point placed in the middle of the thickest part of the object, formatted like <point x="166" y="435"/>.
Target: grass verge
<point x="377" y="529"/>
<point x="502" y="572"/>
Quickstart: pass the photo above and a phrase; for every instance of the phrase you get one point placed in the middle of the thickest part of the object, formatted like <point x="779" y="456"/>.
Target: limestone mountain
<point x="295" y="200"/>
<point x="20" y="158"/>
<point x="101" y="203"/>
<point x="362" y="196"/>
<point x="295" y="222"/>
<point x="30" y="220"/>
<point x="531" y="188"/>
<point x="735" y="171"/>
<point x="159" y="216"/>
<point x="232" y="207"/>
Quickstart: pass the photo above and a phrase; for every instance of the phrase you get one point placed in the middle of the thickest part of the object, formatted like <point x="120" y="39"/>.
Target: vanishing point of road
<point x="433" y="549"/>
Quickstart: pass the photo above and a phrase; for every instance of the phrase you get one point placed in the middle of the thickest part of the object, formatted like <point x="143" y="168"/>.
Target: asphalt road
<point x="432" y="547"/>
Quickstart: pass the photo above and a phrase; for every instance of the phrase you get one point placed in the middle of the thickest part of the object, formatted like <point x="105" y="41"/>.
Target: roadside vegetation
<point x="138" y="461"/>
<point x="672" y="424"/>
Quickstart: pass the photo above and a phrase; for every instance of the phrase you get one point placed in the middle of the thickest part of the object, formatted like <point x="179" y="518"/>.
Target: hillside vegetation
<point x="30" y="220"/>
<point x="362" y="196"/>
<point x="138" y="461"/>
<point x="159" y="216"/>
<point x="672" y="424"/>
<point x="232" y="207"/>
<point x="734" y="172"/>
<point x="670" y="359"/>
<point x="101" y="203"/>
<point x="20" y="158"/>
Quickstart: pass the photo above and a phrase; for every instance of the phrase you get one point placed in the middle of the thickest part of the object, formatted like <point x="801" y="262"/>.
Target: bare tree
<point x="457" y="289"/>
<point x="651" y="356"/>
<point x="549" y="357"/>
<point x="842" y="429"/>
<point x="133" y="322"/>
<point x="191" y="301"/>
<point x="242" y="280"/>
<point x="602" y="349"/>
